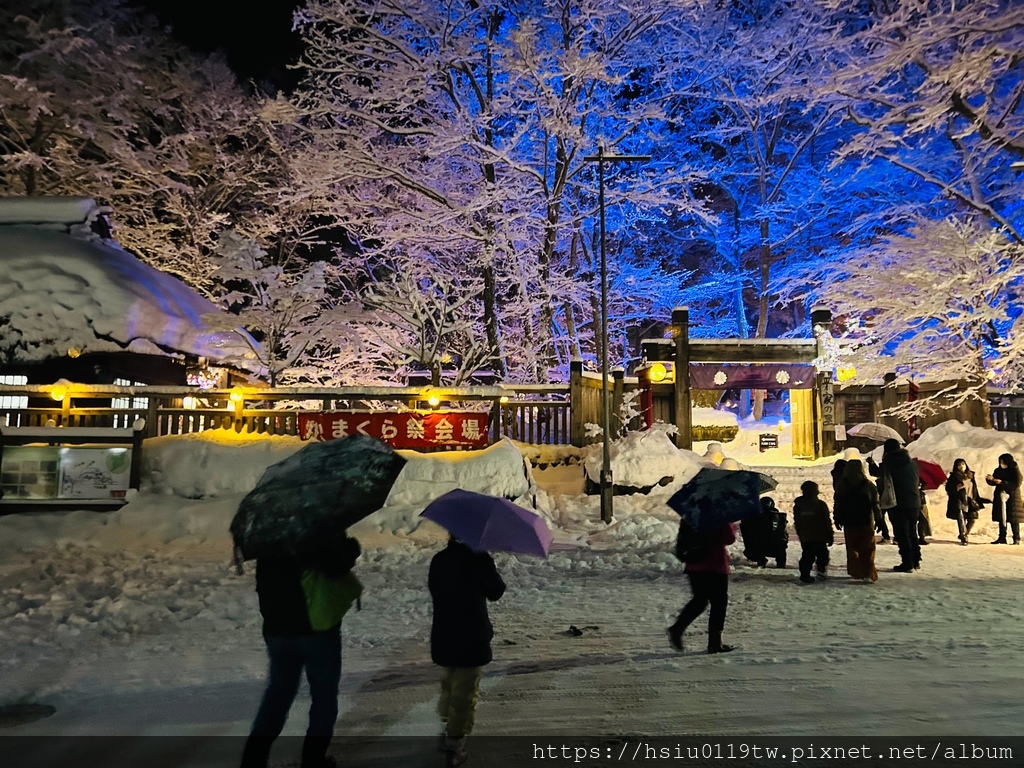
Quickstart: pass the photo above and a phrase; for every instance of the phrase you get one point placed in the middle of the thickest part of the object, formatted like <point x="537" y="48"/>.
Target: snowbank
<point x="644" y="459"/>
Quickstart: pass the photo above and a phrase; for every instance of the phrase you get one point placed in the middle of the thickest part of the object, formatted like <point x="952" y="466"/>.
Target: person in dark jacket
<point x="709" y="582"/>
<point x="900" y="470"/>
<point x="1006" y="500"/>
<point x="855" y="503"/>
<point x="292" y="646"/>
<point x="461" y="582"/>
<point x="765" y="535"/>
<point x="962" y="498"/>
<point x="814" y="529"/>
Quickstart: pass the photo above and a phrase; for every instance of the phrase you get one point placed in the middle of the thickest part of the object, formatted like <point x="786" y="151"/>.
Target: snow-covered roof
<point x="60" y="292"/>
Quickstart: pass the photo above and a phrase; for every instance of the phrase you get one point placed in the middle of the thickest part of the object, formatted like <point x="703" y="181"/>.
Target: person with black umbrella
<point x="294" y="644"/>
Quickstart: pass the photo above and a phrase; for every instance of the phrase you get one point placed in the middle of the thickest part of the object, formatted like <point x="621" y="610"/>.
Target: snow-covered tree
<point x="289" y="308"/>
<point x="428" y="323"/>
<point x="97" y="100"/>
<point x="456" y="134"/>
<point x="930" y="247"/>
<point x="940" y="302"/>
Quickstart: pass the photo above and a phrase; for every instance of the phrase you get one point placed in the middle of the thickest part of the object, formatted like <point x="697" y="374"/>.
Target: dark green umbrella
<point x="312" y="496"/>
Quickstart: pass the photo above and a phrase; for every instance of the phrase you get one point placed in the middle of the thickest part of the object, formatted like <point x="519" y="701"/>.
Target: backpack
<point x="328" y="599"/>
<point x="691" y="546"/>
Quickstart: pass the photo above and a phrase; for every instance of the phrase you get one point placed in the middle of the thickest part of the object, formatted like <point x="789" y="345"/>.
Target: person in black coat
<point x="814" y="529"/>
<point x="901" y="471"/>
<point x="765" y="535"/>
<point x="1006" y="500"/>
<point x="292" y="646"/>
<point x="461" y="582"/>
<point x="962" y="498"/>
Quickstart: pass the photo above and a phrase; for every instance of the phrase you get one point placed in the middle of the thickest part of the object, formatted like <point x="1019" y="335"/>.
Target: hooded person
<point x="814" y="529"/>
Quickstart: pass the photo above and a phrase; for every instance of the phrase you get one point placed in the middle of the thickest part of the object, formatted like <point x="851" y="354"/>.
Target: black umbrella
<point x="714" y="497"/>
<point x="313" y="495"/>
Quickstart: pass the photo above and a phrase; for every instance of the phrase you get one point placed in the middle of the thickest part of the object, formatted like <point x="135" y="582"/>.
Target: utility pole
<point x="606" y="463"/>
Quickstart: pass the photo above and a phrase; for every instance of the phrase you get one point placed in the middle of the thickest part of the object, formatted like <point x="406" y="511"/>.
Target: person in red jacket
<point x="709" y="582"/>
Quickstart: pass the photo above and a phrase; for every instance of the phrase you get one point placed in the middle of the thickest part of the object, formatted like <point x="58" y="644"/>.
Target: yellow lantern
<point x="60" y="390"/>
<point x="658" y="372"/>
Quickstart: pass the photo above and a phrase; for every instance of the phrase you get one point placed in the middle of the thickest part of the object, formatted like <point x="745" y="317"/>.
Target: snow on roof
<point x="50" y="210"/>
<point x="59" y="292"/>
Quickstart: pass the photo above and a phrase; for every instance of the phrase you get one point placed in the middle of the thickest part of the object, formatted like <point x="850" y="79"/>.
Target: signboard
<point x="436" y="429"/>
<point x="840" y="432"/>
<point x="725" y="376"/>
<point x="94" y="473"/>
<point x="29" y="472"/>
<point x="45" y="472"/>
<point x="766" y="441"/>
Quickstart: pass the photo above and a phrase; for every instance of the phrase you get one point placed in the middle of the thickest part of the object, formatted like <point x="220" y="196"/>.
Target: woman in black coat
<point x="461" y="582"/>
<point x="1006" y="501"/>
<point x="962" y="498"/>
<point x="856" y="502"/>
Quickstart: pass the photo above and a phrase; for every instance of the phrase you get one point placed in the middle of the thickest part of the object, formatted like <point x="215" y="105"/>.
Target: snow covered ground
<point x="134" y="623"/>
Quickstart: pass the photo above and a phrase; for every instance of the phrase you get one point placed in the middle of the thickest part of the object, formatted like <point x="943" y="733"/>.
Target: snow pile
<point x="712" y="417"/>
<point x="217" y="462"/>
<point x="645" y="459"/>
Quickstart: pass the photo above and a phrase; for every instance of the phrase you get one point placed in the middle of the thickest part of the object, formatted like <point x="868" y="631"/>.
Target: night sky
<point x="255" y="36"/>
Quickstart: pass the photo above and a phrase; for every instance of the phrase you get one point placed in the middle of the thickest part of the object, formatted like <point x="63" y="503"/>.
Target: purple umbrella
<point x="489" y="524"/>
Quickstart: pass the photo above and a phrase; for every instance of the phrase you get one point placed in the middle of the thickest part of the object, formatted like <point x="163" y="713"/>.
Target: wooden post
<point x="576" y="403"/>
<point x="497" y="432"/>
<point x="135" y="466"/>
<point x="825" y="399"/>
<point x="683" y="406"/>
<point x="152" y="417"/>
<point x="618" y="386"/>
<point x="890" y="399"/>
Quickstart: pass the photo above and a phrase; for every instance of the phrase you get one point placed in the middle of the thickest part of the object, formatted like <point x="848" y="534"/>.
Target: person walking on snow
<point x="461" y="582"/>
<point x="709" y="582"/>
<point x="1006" y="501"/>
<point x="814" y="529"/>
<point x="292" y="646"/>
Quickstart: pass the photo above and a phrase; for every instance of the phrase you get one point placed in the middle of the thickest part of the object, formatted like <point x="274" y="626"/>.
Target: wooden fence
<point x="537" y="414"/>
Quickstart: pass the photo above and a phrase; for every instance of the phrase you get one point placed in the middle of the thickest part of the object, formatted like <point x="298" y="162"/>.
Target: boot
<point x="903" y="568"/>
<point x="675" y="637"/>
<point x="314" y="752"/>
<point x="454" y="751"/>
<point x="806" y="578"/>
<point x="1000" y="540"/>
<point x="721" y="648"/>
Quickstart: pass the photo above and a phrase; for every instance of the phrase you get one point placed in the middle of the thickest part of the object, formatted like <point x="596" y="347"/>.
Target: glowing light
<point x="658" y="372"/>
<point x="782" y="425"/>
<point x="846" y="373"/>
<point x="236" y="395"/>
<point x="190" y="403"/>
<point x="74" y="352"/>
<point x="60" y="390"/>
<point x="503" y="399"/>
<point x="434" y="401"/>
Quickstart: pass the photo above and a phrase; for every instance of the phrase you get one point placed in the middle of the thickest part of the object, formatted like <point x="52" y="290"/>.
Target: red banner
<point x="400" y="430"/>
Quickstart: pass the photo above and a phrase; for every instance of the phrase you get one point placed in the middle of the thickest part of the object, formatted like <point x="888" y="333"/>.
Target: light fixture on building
<point x="60" y="390"/>
<point x="658" y="372"/>
<point x="434" y="401"/>
<point x="74" y="352"/>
